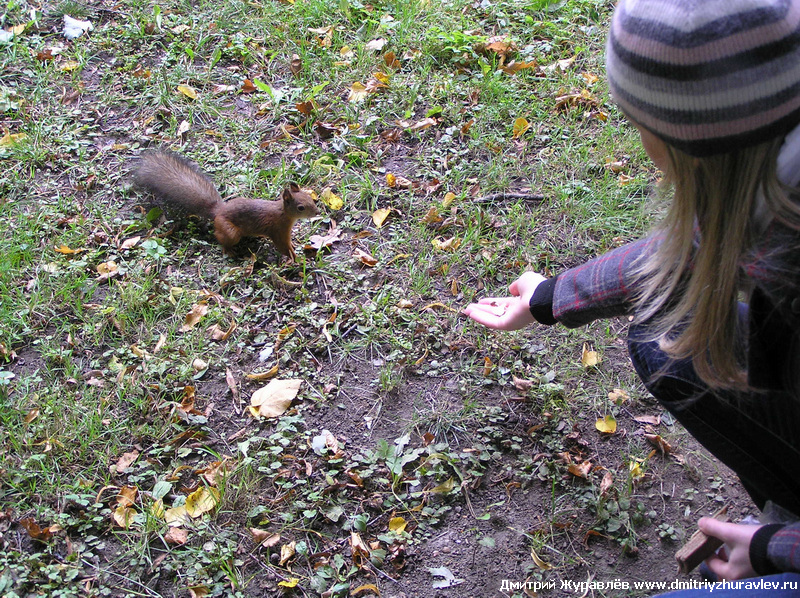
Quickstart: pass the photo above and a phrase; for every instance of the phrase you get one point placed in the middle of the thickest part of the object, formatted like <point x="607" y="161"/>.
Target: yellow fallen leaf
<point x="589" y="358"/>
<point x="445" y="487"/>
<point x="12" y="138"/>
<point x="635" y="470"/>
<point x="289" y="584"/>
<point x="330" y="199"/>
<point x="379" y="216"/>
<point x="391" y="180"/>
<point x="177" y="516"/>
<point x="358" y="92"/>
<point x="123" y="516"/>
<point x="521" y="125"/>
<point x="618" y="396"/>
<point x="287" y="552"/>
<point x="367" y="587"/>
<point x="450" y="244"/>
<point x="188" y="91"/>
<point x="67" y="251"/>
<point x="539" y="562"/>
<point x="397" y="525"/>
<point x="201" y="501"/>
<point x="274" y="399"/>
<point x="448" y="200"/>
<point x="69" y="65"/>
<point x="606" y="425"/>
<point x="271" y="373"/>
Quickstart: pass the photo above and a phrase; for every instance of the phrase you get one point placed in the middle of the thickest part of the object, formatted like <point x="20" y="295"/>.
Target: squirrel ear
<point x="294" y="187"/>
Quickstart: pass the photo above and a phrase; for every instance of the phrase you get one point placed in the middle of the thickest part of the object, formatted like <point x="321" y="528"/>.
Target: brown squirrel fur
<point x="182" y="186"/>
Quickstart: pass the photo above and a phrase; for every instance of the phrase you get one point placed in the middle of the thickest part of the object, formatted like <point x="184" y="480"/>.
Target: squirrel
<point x="181" y="185"/>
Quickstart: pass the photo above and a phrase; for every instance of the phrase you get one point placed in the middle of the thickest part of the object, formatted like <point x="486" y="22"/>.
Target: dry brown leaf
<point x="178" y="536"/>
<point x="653" y="420"/>
<point x="391" y="60"/>
<point x="365" y="258"/>
<point x="126" y="460"/>
<point x="606" y="483"/>
<point x="657" y="441"/>
<point x="194" y="316"/>
<point x="295" y="64"/>
<point x="580" y="470"/>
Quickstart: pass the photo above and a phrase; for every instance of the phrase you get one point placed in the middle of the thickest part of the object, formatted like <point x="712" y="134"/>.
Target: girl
<point x="713" y="86"/>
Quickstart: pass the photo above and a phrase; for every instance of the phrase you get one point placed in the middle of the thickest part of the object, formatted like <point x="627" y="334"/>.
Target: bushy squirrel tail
<point x="178" y="182"/>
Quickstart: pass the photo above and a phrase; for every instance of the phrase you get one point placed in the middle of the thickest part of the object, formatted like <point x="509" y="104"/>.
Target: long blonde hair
<point x="694" y="280"/>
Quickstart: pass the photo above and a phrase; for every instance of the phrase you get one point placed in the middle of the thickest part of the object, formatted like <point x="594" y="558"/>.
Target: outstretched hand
<point x="507" y="313"/>
<point x="733" y="561"/>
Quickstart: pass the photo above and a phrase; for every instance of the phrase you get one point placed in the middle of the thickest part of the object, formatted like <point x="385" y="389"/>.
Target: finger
<point x="719" y="529"/>
<point x="483" y="317"/>
<point x="489" y="308"/>
<point x="718" y="566"/>
<point x="498" y="300"/>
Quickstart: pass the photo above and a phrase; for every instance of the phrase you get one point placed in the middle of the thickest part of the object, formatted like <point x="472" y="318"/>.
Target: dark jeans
<point x="757" y="435"/>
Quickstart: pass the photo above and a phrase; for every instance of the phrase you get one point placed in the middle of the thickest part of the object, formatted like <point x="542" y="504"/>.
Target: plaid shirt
<point x="605" y="287"/>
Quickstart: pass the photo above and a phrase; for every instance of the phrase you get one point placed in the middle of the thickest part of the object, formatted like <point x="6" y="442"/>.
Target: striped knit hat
<point x="707" y="76"/>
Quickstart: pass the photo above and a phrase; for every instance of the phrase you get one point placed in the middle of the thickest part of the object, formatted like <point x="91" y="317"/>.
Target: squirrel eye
<point x="301" y="208"/>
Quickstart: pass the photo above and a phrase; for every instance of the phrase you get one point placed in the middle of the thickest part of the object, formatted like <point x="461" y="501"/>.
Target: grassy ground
<point x="452" y="145"/>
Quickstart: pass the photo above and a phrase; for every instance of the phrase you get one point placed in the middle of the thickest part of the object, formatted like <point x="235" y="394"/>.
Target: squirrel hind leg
<point x="227" y="234"/>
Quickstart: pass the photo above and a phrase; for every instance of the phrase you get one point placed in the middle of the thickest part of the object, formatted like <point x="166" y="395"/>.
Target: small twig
<point x="506" y="195"/>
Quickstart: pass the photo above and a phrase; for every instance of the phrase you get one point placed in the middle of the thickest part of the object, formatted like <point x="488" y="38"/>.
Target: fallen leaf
<point x="606" y="483"/>
<point x="177" y="516"/>
<point x="265" y="538"/>
<point x="539" y="562"/>
<point x="367" y="587"/>
<point x="289" y="584"/>
<point x="657" y="441"/>
<point x="397" y="525"/>
<point x="606" y="425"/>
<point x="379" y="216"/>
<point x="653" y="420"/>
<point x="123" y="516"/>
<point x="330" y="199"/>
<point x="126" y="460"/>
<point x="589" y="358"/>
<point x="188" y="91"/>
<point x="391" y="60"/>
<point x="287" y="552"/>
<point x="451" y="244"/>
<point x="199" y="591"/>
<point x="365" y="257"/>
<point x="521" y="125"/>
<point x="261" y="376"/>
<point x="580" y="470"/>
<point x="274" y="399"/>
<point x="194" y="316"/>
<point x="295" y="64"/>
<point x="201" y="501"/>
<point x="448" y="579"/>
<point x="358" y="93"/>
<point x="618" y="396"/>
<point x="376" y="45"/>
